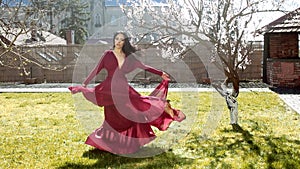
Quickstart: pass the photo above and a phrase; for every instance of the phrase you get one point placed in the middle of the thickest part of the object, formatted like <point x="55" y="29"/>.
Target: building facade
<point x="281" y="65"/>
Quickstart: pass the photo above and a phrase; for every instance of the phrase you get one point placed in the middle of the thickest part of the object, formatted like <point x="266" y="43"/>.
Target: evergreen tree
<point x="73" y="14"/>
<point x="75" y="20"/>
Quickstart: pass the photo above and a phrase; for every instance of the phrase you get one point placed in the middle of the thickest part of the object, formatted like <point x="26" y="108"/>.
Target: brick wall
<point x="283" y="45"/>
<point x="254" y="70"/>
<point x="284" y="72"/>
<point x="282" y="60"/>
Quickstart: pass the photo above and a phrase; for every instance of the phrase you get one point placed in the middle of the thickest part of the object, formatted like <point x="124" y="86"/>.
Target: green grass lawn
<point x="41" y="130"/>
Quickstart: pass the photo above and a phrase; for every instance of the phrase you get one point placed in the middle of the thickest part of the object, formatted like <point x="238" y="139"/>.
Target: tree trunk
<point x="230" y="97"/>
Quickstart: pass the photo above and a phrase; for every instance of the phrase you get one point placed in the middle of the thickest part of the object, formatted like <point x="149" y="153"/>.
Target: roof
<point x="15" y="3"/>
<point x="287" y="23"/>
<point x="25" y="39"/>
<point x="128" y="2"/>
<point x="115" y="2"/>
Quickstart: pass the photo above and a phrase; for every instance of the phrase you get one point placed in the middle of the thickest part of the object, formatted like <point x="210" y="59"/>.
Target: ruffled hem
<point x="127" y="124"/>
<point x="126" y="142"/>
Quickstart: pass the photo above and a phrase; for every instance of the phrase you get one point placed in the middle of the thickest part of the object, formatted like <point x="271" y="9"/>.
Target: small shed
<point x="281" y="60"/>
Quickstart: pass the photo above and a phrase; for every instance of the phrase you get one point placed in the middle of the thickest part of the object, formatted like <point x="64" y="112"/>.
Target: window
<point x="98" y="20"/>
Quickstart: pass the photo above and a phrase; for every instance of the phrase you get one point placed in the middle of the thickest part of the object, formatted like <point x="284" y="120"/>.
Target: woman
<point x="128" y="115"/>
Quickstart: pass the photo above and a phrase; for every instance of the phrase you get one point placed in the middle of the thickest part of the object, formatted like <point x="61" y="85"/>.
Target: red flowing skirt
<point x="129" y="117"/>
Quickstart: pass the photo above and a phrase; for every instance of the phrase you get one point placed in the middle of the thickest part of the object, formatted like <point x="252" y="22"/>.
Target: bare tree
<point x="226" y="24"/>
<point x="12" y="25"/>
<point x="22" y="18"/>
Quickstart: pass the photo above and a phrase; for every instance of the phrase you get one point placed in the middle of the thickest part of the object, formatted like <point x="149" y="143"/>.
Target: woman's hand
<point x="165" y="76"/>
<point x="83" y="85"/>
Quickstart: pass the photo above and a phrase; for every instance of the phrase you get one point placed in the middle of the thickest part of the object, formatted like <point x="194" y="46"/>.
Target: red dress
<point x="128" y="116"/>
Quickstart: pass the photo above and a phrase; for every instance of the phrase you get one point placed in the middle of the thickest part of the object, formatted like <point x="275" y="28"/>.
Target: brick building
<point x="281" y="61"/>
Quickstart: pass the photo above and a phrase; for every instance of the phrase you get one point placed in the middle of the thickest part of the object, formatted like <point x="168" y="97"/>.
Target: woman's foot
<point x="168" y="109"/>
<point x="176" y="115"/>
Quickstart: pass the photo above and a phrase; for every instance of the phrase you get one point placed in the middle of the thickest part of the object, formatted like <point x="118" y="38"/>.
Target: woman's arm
<point x="95" y="71"/>
<point x="165" y="76"/>
<point x="141" y="65"/>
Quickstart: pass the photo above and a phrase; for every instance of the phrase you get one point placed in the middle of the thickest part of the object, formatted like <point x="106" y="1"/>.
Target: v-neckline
<point x="116" y="57"/>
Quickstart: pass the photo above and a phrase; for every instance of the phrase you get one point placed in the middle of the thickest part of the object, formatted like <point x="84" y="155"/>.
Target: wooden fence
<point x="74" y="62"/>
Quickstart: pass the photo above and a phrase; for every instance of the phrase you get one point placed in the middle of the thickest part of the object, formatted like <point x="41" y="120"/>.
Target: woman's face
<point x="119" y="41"/>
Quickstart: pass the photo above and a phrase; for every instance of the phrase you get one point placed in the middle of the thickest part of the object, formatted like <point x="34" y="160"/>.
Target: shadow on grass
<point x="248" y="137"/>
<point x="275" y="152"/>
<point x="235" y="148"/>
<point x="108" y="160"/>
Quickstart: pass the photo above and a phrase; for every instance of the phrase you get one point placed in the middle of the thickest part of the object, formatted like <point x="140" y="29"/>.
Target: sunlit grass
<point x="41" y="130"/>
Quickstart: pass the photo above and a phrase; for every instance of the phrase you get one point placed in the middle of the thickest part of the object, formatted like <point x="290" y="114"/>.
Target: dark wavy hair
<point x="128" y="48"/>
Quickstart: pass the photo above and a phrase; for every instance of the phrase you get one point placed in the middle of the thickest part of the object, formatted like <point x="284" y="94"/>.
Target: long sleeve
<point x="139" y="64"/>
<point x="96" y="70"/>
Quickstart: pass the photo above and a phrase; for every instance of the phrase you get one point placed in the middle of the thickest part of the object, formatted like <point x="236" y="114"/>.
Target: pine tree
<point x="73" y="13"/>
<point x="75" y="20"/>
